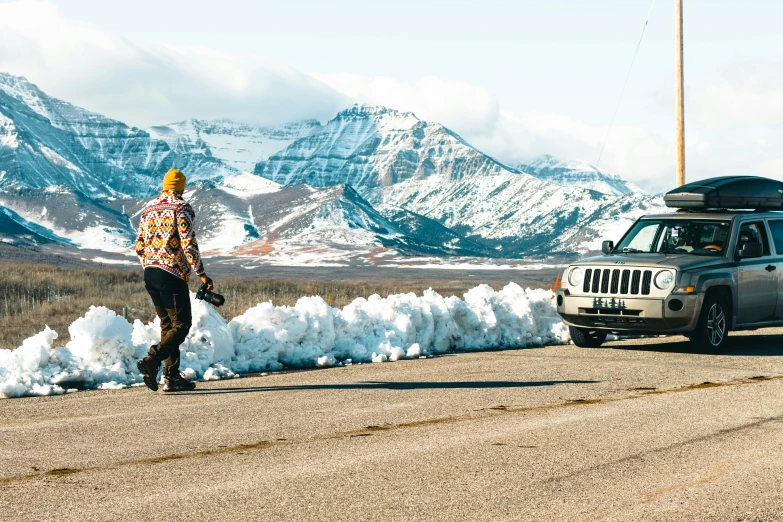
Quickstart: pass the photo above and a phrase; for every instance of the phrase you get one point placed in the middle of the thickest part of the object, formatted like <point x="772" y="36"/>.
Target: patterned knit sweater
<point x="166" y="237"/>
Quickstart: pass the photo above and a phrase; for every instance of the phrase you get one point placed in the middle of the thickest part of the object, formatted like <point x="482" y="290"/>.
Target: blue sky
<point x="516" y="78"/>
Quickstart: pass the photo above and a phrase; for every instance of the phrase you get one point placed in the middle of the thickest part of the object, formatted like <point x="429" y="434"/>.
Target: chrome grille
<point x="625" y="281"/>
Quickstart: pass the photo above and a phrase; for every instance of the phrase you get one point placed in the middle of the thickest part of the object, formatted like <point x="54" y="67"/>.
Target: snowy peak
<point x="19" y="88"/>
<point x="389" y="119"/>
<point x="61" y="114"/>
<point x="56" y="143"/>
<point x="239" y="145"/>
<point x="578" y="173"/>
<point x="369" y="147"/>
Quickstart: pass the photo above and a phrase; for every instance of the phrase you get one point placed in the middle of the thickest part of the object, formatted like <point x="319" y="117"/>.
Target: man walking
<point x="167" y="248"/>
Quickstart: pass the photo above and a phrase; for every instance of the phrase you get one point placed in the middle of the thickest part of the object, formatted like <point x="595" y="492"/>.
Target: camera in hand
<point x="210" y="297"/>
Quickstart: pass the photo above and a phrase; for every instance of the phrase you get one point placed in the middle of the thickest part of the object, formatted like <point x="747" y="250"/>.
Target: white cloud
<point x="734" y="125"/>
<point x="144" y="85"/>
<point x="457" y="105"/>
<point x="740" y="95"/>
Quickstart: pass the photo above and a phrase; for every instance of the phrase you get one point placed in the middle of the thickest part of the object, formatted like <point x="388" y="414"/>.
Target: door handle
<point x="770" y="268"/>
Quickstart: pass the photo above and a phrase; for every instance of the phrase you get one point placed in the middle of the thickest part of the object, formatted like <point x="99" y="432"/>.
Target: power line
<point x="627" y="77"/>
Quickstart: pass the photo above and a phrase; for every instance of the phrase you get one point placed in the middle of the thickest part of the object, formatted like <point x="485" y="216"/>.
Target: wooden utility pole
<point x="680" y="100"/>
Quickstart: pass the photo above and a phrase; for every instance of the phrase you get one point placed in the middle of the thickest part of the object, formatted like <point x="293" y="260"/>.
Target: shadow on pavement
<point x="461" y="385"/>
<point x="736" y="345"/>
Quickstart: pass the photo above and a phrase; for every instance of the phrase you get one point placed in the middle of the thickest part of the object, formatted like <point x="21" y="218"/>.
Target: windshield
<point x="697" y="237"/>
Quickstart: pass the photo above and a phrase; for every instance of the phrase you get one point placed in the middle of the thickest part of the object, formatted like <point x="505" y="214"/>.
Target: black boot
<point x="176" y="382"/>
<point x="148" y="368"/>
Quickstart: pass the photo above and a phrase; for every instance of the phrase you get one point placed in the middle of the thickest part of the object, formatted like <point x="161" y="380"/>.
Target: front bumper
<point x="631" y="313"/>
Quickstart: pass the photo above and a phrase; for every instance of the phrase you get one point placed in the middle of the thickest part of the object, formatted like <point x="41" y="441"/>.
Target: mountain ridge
<point x="380" y="176"/>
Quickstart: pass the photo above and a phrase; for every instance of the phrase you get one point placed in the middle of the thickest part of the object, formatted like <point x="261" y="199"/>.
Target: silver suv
<point x="699" y="271"/>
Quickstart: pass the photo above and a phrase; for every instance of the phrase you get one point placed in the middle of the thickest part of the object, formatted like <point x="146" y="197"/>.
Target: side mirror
<point x="607" y="247"/>
<point x="750" y="251"/>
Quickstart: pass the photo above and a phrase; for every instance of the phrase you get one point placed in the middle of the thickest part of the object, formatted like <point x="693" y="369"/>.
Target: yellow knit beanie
<point x="174" y="180"/>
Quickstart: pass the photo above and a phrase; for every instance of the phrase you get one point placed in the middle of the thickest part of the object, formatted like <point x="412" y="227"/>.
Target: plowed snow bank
<point x="104" y="347"/>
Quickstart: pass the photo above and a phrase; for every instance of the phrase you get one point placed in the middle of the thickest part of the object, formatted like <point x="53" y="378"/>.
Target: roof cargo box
<point x="745" y="192"/>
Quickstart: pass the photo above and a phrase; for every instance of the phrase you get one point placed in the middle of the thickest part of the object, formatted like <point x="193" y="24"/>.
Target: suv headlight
<point x="575" y="276"/>
<point x="664" y="279"/>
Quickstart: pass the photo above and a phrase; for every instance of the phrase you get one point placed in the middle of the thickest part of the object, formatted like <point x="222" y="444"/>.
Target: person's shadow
<point x="397" y="386"/>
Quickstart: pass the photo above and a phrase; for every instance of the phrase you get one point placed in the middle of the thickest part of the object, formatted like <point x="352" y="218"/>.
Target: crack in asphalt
<point x="485" y="413"/>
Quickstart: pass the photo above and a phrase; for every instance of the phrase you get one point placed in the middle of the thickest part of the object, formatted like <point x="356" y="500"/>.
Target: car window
<point x="753" y="233"/>
<point x="677" y="235"/>
<point x="644" y="238"/>
<point x="776" y="226"/>
<point x="697" y="237"/>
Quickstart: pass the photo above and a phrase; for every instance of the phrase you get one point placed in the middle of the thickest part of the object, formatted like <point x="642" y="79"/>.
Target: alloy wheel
<point x="716" y="325"/>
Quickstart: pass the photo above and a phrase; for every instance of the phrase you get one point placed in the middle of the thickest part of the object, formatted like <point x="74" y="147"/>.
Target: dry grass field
<point x="34" y="295"/>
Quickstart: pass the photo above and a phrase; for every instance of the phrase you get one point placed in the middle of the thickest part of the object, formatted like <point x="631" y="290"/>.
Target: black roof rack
<point x="745" y="192"/>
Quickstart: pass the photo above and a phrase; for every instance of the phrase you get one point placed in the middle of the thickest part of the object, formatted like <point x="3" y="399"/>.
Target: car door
<point x="757" y="292"/>
<point x="776" y="235"/>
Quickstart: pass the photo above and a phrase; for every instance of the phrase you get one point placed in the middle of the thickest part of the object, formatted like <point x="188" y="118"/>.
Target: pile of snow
<point x="104" y="347"/>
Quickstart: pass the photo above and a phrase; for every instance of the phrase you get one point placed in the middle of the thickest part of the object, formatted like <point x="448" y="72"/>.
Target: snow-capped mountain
<point x="394" y="159"/>
<point x="516" y="214"/>
<point x="371" y="182"/>
<point x="578" y="174"/>
<point x="48" y="142"/>
<point x="370" y="147"/>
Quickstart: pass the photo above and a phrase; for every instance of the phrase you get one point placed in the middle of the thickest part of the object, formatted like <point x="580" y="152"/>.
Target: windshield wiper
<point x="629" y="250"/>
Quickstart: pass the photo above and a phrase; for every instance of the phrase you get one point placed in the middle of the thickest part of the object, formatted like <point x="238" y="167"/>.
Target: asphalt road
<point x="641" y="430"/>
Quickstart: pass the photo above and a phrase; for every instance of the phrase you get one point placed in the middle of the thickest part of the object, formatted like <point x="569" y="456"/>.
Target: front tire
<point x="713" y="326"/>
<point x="587" y="337"/>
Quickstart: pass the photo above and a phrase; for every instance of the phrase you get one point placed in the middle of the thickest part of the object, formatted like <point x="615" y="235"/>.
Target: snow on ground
<point x="106" y="261"/>
<point x="104" y="347"/>
<point x="286" y="254"/>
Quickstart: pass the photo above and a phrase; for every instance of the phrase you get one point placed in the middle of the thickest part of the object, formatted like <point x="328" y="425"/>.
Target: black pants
<point x="171" y="298"/>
